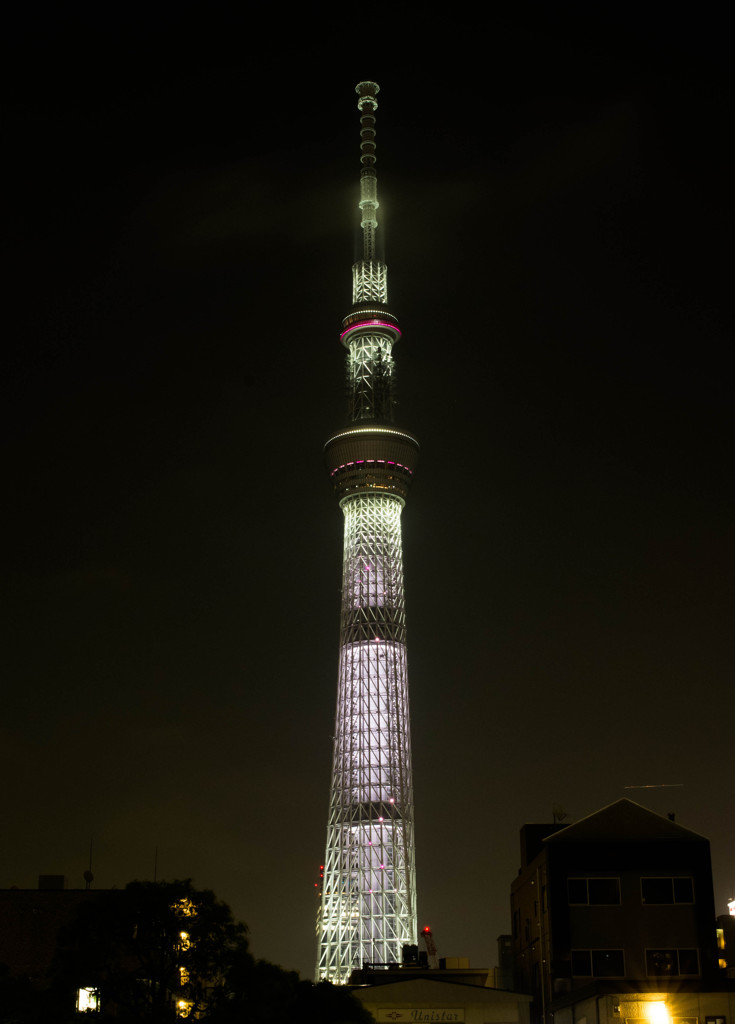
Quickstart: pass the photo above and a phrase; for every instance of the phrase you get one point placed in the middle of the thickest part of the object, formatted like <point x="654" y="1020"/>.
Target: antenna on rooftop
<point x="88" y="876"/>
<point x="658" y="785"/>
<point x="558" y="813"/>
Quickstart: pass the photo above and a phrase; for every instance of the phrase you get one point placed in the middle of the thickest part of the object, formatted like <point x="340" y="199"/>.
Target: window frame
<point x="672" y="879"/>
<point x="676" y="950"/>
<point x="591" y="955"/>
<point x="593" y="878"/>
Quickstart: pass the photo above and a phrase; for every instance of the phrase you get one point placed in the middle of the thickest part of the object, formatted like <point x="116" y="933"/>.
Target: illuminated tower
<point x="368" y="903"/>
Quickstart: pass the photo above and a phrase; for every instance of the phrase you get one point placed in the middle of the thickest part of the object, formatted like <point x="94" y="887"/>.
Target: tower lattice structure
<point x="368" y="898"/>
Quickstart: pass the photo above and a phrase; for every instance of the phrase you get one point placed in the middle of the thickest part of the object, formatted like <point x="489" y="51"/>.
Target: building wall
<point x="726" y="944"/>
<point x="30" y="923"/>
<point x="572" y="937"/>
<point x="547" y="928"/>
<point x="622" y="1007"/>
<point x="633" y="925"/>
<point x="440" y="1002"/>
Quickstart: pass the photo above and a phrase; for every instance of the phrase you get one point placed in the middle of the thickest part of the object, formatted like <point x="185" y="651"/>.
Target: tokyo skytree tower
<point x="368" y="898"/>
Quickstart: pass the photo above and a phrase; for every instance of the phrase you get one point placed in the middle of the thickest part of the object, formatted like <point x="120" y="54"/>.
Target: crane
<point x="430" y="948"/>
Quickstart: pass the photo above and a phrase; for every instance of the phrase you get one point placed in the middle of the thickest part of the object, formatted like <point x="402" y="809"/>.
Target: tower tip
<point x="367" y="91"/>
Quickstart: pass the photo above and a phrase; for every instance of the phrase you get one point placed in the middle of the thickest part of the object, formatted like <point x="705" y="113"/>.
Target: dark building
<point x="618" y="905"/>
<point x="30" y="923"/>
<point x="117" y="952"/>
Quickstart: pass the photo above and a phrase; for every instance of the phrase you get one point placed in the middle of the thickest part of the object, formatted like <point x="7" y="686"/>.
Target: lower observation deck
<point x="370" y="457"/>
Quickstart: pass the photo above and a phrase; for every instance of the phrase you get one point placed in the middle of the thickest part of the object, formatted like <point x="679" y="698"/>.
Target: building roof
<point x="623" y="820"/>
<point x="433" y="990"/>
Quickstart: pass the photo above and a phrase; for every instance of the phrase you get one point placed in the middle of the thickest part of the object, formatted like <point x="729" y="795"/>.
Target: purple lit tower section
<point x="368" y="899"/>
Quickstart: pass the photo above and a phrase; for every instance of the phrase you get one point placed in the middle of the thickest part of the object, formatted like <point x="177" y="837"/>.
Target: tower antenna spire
<point x="367" y="105"/>
<point x="369" y="274"/>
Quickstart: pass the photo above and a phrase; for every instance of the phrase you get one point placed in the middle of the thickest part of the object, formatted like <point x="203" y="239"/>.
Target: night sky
<point x="179" y="211"/>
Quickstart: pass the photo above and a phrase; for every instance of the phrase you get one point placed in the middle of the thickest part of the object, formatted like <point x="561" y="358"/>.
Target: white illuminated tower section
<point x="368" y="902"/>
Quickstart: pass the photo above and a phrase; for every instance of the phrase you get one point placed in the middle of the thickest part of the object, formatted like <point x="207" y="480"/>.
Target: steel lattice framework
<point x="368" y="897"/>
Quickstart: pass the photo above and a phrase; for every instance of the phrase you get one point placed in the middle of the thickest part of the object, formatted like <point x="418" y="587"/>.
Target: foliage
<point x="262" y="993"/>
<point x="160" y="951"/>
<point x="149" y="946"/>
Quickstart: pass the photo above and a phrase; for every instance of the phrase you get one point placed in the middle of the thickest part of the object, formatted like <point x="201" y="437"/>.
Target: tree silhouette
<point x="159" y="952"/>
<point x="153" y="951"/>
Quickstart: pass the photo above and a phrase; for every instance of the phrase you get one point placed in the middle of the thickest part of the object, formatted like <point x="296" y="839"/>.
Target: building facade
<point x="726" y="940"/>
<point x="436" y="997"/>
<point x="368" y="894"/>
<point x="618" y="905"/>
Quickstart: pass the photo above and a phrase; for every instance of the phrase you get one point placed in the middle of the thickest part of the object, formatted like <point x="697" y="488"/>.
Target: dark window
<point x="689" y="962"/>
<point x="597" y="892"/>
<point x="608" y="963"/>
<point x="661" y="963"/>
<point x="598" y="963"/>
<point x="604" y="891"/>
<point x="683" y="890"/>
<point x="577" y="890"/>
<point x="667" y="890"/>
<point x="581" y="963"/>
<point x="670" y="963"/>
<point x="657" y="890"/>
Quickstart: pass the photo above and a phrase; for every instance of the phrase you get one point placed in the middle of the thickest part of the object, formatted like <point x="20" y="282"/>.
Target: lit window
<point x="88" y="1000"/>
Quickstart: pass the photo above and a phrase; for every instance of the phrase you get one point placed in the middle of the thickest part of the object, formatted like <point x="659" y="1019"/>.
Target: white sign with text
<point x="419" y="1016"/>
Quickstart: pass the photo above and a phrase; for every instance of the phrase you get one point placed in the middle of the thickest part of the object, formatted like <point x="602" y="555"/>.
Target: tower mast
<point x="368" y="902"/>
